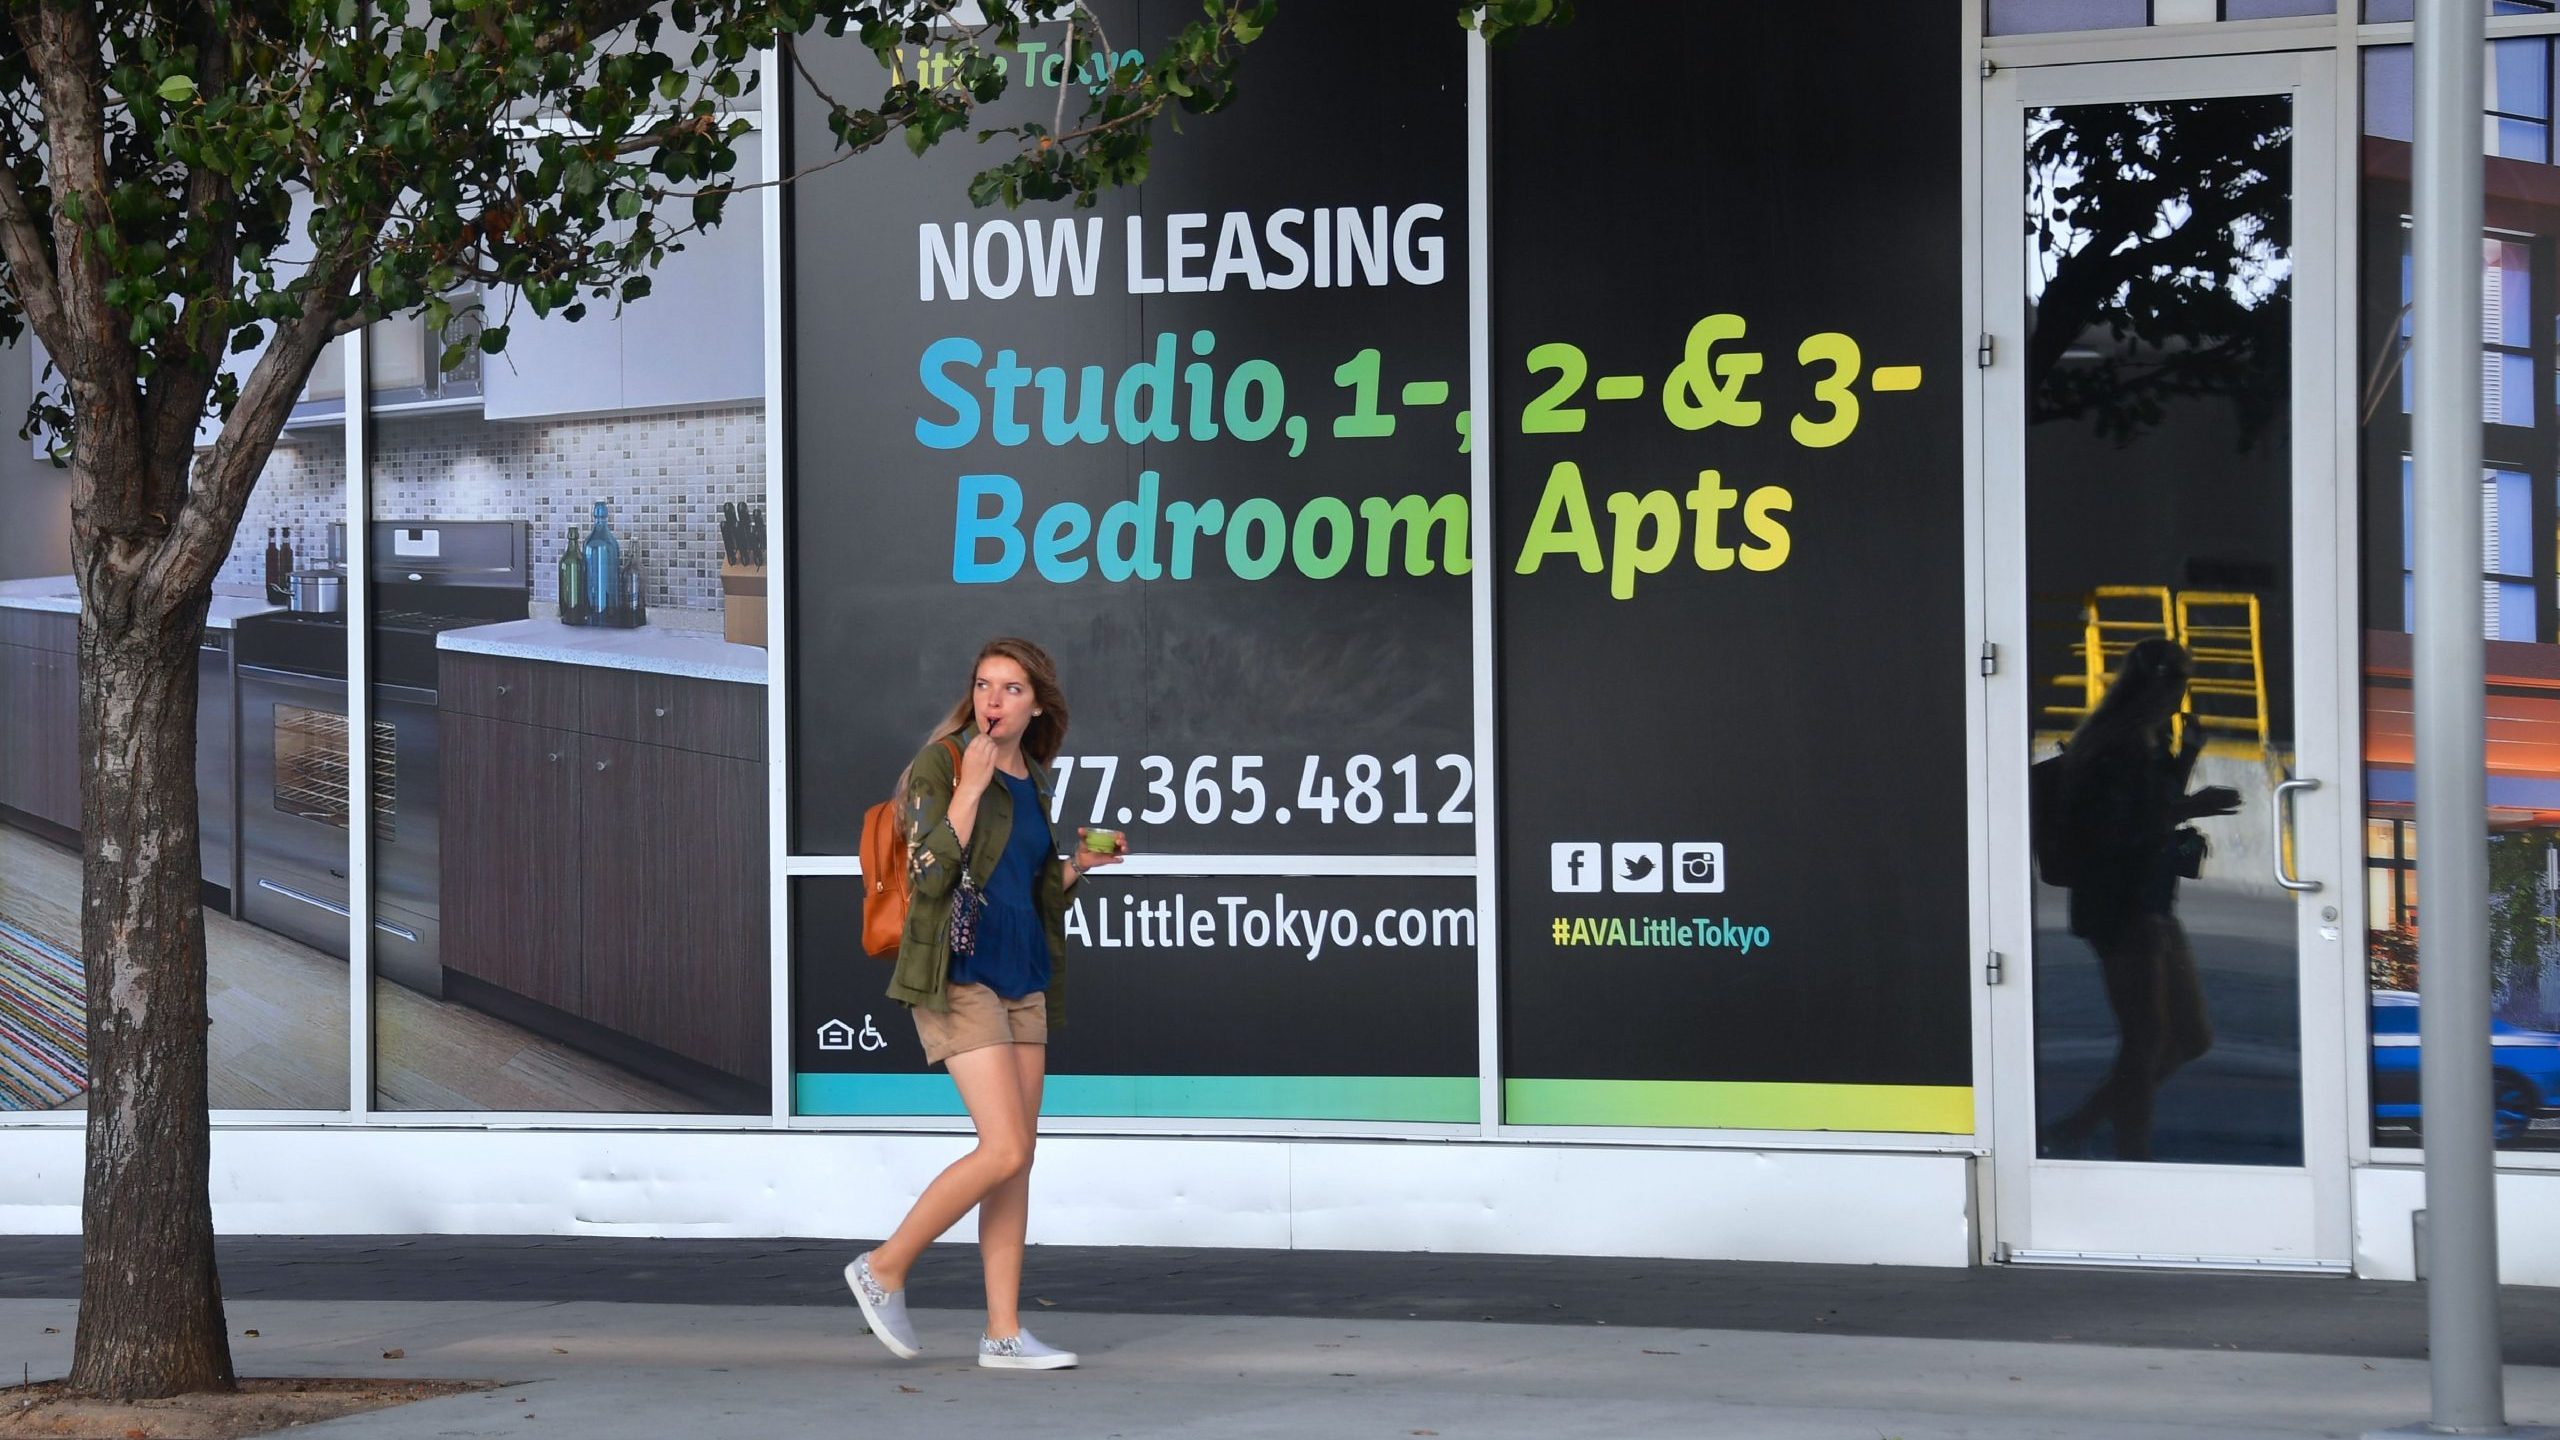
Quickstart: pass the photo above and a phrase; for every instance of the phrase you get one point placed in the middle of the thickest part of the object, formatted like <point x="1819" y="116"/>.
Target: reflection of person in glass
<point x="2125" y="806"/>
<point x="977" y="801"/>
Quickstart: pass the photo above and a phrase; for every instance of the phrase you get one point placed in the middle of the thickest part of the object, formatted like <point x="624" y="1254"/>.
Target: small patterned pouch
<point x="966" y="900"/>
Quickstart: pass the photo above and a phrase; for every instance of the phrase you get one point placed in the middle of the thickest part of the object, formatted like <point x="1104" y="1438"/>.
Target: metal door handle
<point x="661" y="712"/>
<point x="2278" y="829"/>
<point x="502" y="689"/>
<point x="555" y="757"/>
<point x="600" y="764"/>
<point x="314" y="901"/>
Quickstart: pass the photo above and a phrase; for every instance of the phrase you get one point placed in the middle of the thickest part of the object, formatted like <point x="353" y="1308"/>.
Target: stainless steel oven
<point x="217" y="774"/>
<point x="296" y="809"/>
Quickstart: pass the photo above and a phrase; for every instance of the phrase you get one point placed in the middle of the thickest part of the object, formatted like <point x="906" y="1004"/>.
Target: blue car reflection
<point x="2525" y="1074"/>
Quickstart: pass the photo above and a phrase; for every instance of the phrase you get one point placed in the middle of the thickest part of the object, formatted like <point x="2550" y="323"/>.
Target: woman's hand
<point x="2190" y="740"/>
<point x="1081" y="859"/>
<point x="977" y="767"/>
<point x="2211" y="800"/>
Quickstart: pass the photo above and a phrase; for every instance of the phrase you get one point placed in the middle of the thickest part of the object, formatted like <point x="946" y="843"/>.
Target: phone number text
<point x="1362" y="790"/>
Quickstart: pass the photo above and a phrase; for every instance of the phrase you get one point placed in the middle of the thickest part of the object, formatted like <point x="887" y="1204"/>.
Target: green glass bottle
<point x="573" y="582"/>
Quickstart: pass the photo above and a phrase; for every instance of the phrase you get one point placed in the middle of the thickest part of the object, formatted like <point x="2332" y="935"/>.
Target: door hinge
<point x="1990" y="658"/>
<point x="1982" y="352"/>
<point x="1994" y="969"/>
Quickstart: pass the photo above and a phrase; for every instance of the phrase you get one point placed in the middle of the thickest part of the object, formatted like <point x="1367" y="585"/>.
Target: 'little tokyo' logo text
<point x="1639" y="934"/>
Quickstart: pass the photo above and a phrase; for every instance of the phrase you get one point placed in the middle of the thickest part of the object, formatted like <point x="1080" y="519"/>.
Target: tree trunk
<point x="150" y="1302"/>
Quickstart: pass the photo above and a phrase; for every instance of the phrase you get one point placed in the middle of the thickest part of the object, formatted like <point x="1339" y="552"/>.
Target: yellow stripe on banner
<point x="1741" y="1105"/>
<point x="1886" y="379"/>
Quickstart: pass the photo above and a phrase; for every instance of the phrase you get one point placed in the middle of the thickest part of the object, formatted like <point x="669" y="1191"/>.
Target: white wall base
<point x="2528" y="1243"/>
<point x="1826" y="1207"/>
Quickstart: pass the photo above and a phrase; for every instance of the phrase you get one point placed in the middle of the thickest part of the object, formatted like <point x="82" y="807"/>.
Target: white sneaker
<point x="885" y="1311"/>
<point x="1022" y="1352"/>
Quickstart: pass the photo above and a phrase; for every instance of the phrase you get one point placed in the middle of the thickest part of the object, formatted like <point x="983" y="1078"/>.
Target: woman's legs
<point x="2130" y="966"/>
<point x="2182" y="993"/>
<point x="991" y="1087"/>
<point x="1004" y="1217"/>
<point x="2136" y="970"/>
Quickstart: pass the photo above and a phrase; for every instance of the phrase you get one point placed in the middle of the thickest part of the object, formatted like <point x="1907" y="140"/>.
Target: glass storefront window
<point x="2519" y="597"/>
<point x="2030" y="17"/>
<point x="2378" y="12"/>
<point x="2027" y="17"/>
<point x="577" y="923"/>
<point x="274" y="812"/>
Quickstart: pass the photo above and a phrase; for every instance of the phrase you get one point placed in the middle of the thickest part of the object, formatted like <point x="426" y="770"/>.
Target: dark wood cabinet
<point x="614" y="872"/>
<point x="715" y="717"/>
<point x="512" y="879"/>
<point x="523" y="691"/>
<point x="40" y="746"/>
<point x="675" y="926"/>
<point x="40" y="757"/>
<point x="40" y="629"/>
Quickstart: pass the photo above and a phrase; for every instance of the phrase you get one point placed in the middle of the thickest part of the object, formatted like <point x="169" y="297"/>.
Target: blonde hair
<point x="1047" y="732"/>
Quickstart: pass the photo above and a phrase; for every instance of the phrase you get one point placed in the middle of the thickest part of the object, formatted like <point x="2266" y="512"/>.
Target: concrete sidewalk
<point x="2312" y="1315"/>
<point x="630" y="1339"/>
<point x="620" y="1371"/>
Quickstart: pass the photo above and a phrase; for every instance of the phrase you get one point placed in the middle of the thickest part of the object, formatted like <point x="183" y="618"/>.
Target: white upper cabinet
<point x="697" y="338"/>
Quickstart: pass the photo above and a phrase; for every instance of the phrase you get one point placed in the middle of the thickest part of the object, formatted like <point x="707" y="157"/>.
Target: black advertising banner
<point x="1188" y="997"/>
<point x="1201" y="441"/>
<point x="1204" y="442"/>
<point x="1729" y="494"/>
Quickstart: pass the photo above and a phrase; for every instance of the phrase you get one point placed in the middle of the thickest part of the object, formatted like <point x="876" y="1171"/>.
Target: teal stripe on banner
<point x="1429" y="1099"/>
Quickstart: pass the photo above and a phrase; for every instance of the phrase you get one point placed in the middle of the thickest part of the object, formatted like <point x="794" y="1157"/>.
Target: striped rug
<point x="44" y="1044"/>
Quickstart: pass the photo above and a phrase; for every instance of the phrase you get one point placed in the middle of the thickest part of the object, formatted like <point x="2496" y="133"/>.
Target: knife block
<point x="742" y="604"/>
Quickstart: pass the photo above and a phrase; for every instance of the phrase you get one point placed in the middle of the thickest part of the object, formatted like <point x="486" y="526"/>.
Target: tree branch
<point x="38" y="294"/>
<point x="62" y="48"/>
<point x="225" y="474"/>
<point x="175" y="403"/>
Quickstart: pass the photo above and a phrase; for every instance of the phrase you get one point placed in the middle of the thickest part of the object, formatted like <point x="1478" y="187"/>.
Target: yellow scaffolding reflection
<point x="2223" y="635"/>
<point x="2113" y="619"/>
<point x="2229" y="693"/>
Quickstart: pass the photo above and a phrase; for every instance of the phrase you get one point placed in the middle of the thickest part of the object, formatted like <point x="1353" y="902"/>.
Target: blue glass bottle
<point x="604" y="571"/>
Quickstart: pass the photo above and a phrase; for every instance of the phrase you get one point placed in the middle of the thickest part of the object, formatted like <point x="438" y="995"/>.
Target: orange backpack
<point x="884" y="871"/>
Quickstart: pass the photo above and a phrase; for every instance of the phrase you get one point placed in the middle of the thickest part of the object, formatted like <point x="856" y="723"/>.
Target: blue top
<point x="1013" y="947"/>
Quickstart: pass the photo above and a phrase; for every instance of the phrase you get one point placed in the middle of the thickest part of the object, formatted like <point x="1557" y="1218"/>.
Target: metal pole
<point x="2453" y="879"/>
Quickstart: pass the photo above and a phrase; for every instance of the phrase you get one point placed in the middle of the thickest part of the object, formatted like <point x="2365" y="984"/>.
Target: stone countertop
<point x="60" y="594"/>
<point x="700" y="654"/>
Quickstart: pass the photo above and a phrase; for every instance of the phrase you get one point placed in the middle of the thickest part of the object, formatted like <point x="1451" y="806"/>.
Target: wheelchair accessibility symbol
<point x="838" y="1035"/>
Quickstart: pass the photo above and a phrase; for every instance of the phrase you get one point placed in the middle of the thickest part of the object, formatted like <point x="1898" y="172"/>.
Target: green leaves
<point x="407" y="154"/>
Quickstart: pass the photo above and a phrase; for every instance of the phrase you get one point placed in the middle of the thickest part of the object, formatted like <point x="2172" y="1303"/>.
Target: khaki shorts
<point x="979" y="1017"/>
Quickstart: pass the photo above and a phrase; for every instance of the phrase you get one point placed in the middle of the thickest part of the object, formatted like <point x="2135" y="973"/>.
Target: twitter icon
<point x="1636" y="867"/>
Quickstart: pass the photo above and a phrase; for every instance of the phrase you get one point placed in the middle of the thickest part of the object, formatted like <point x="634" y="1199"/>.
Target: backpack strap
<point x="898" y="795"/>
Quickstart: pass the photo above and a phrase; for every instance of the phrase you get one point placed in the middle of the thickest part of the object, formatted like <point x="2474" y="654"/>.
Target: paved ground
<point x="627" y="1338"/>
<point x="2268" y="1313"/>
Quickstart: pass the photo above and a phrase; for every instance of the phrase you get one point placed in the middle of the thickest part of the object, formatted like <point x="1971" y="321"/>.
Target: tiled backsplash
<point x="664" y="475"/>
<point x="303" y="490"/>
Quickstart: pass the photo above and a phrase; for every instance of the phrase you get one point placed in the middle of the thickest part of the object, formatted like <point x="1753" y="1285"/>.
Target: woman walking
<point x="2127" y="804"/>
<point x="978" y="837"/>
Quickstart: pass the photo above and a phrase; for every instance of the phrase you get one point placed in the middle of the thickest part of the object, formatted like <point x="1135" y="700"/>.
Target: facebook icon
<point x="1574" y="867"/>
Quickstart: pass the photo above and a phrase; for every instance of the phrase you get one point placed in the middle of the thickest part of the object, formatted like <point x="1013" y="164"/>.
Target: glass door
<point x="2163" y="531"/>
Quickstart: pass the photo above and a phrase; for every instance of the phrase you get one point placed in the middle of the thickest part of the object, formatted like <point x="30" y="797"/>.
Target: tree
<point x="2157" y="234"/>
<point x="555" y="149"/>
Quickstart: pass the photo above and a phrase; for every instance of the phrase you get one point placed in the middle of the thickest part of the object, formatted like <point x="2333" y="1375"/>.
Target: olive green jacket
<point x="933" y="871"/>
